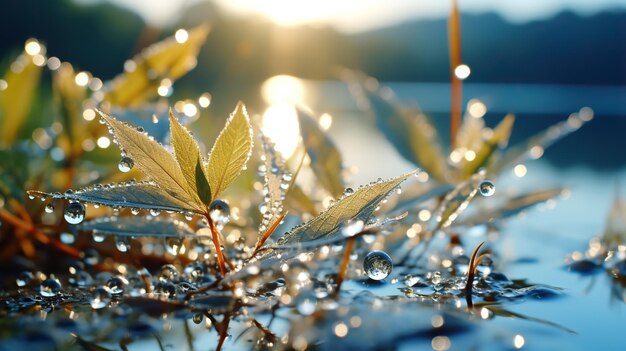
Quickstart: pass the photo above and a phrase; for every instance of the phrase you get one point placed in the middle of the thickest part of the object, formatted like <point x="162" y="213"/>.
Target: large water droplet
<point x="74" y="213"/>
<point x="49" y="207"/>
<point x="377" y="265"/>
<point x="486" y="188"/>
<point x="100" y="298"/>
<point x="219" y="211"/>
<point x="50" y="287"/>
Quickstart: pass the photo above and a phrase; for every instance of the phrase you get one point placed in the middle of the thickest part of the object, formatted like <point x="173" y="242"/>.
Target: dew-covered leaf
<point x="536" y="144"/>
<point x="325" y="157"/>
<point x="512" y="207"/>
<point x="230" y="152"/>
<point x="358" y="206"/>
<point x="498" y="139"/>
<point x="138" y="226"/>
<point x="276" y="183"/>
<point x="456" y="202"/>
<point x="190" y="160"/>
<point x="167" y="59"/>
<point x="407" y="128"/>
<point x="146" y="195"/>
<point x="153" y="161"/>
<point x="17" y="99"/>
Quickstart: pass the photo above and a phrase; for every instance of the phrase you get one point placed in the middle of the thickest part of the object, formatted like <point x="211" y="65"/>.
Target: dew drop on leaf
<point x="126" y="164"/>
<point x="100" y="298"/>
<point x="97" y="237"/>
<point x="116" y="285"/>
<point x="50" y="287"/>
<point x="121" y="244"/>
<point x="486" y="188"/>
<point x="198" y="318"/>
<point x="74" y="213"/>
<point x="377" y="265"/>
<point x="49" y="207"/>
<point x="172" y="245"/>
<point x="219" y="211"/>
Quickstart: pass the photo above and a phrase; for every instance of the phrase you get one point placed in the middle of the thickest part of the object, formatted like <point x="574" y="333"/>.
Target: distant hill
<point x="566" y="49"/>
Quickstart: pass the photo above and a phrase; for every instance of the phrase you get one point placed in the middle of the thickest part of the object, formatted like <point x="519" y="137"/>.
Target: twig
<point x="456" y="86"/>
<point x="344" y="263"/>
<point x="267" y="234"/>
<point x="216" y="242"/>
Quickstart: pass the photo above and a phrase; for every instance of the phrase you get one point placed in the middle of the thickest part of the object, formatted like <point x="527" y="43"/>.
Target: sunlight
<point x="280" y="124"/>
<point x="283" y="89"/>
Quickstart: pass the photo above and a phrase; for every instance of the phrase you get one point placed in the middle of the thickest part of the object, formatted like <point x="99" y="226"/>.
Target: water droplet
<point x="31" y="197"/>
<point x="98" y="237"/>
<point x="486" y="188"/>
<point x="377" y="265"/>
<point x="50" y="287"/>
<point x="116" y="285"/>
<point x="49" y="207"/>
<point x="24" y="278"/>
<point x="352" y="228"/>
<point x="134" y="211"/>
<point x="154" y="212"/>
<point x="168" y="272"/>
<point x="197" y="318"/>
<point x="348" y="191"/>
<point x="172" y="245"/>
<point x="122" y="244"/>
<point x="91" y="257"/>
<point x="219" y="211"/>
<point x="126" y="164"/>
<point x="74" y="213"/>
<point x="306" y="302"/>
<point x="100" y="298"/>
<point x="67" y="238"/>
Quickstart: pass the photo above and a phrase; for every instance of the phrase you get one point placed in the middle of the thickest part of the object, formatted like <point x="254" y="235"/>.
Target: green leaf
<point x="137" y="226"/>
<point x="146" y="195"/>
<point x="17" y="99"/>
<point x="325" y="157"/>
<point x="202" y="184"/>
<point x="407" y="128"/>
<point x="167" y="59"/>
<point x="190" y="160"/>
<point x="153" y="161"/>
<point x="540" y="141"/>
<point x="498" y="139"/>
<point x="230" y="152"/>
<point x="358" y="206"/>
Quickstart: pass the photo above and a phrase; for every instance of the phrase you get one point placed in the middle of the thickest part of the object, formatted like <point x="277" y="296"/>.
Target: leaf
<point x="145" y="195"/>
<point x="325" y="157"/>
<point x="137" y="226"/>
<point x="153" y="161"/>
<point x="540" y="141"/>
<point x="69" y="98"/>
<point x="512" y="207"/>
<point x="408" y="129"/>
<point x="17" y="99"/>
<point x="276" y="183"/>
<point x="456" y="202"/>
<point x="230" y="152"/>
<point x="470" y="135"/>
<point x="412" y="202"/>
<point x="498" y="139"/>
<point x="167" y="59"/>
<point x="358" y="206"/>
<point x="190" y="160"/>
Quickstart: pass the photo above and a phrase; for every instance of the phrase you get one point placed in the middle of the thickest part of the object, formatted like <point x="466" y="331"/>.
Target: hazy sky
<point x="361" y="15"/>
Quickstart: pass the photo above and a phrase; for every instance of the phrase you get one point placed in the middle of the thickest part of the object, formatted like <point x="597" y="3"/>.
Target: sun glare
<point x="280" y="124"/>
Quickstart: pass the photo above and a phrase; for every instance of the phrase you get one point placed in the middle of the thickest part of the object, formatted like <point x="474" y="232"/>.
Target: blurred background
<point x="541" y="60"/>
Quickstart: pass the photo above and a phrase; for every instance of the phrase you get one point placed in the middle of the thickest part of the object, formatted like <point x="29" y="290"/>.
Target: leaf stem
<point x="456" y="86"/>
<point x="471" y="273"/>
<point x="216" y="242"/>
<point x="267" y="234"/>
<point x="343" y="269"/>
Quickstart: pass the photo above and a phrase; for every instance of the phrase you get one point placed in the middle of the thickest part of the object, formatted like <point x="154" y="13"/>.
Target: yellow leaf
<point x="168" y="59"/>
<point x="358" y="206"/>
<point x="230" y="152"/>
<point x="17" y="99"/>
<point x="69" y="97"/>
<point x="189" y="159"/>
<point x="499" y="138"/>
<point x="325" y="157"/>
<point x="153" y="160"/>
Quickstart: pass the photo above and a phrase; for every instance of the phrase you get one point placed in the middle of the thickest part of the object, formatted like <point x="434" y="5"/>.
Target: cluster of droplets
<point x="276" y="182"/>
